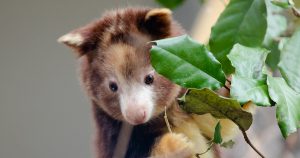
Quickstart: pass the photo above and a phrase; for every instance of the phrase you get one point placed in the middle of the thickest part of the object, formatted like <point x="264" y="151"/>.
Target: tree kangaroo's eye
<point x="149" y="79"/>
<point x="113" y="86"/>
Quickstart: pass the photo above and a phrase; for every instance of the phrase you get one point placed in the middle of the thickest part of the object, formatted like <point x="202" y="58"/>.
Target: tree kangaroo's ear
<point x="158" y="22"/>
<point x="82" y="40"/>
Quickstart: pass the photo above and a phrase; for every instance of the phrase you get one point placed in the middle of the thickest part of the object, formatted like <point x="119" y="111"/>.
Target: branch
<point x="249" y="142"/>
<point x="227" y="88"/>
<point x="229" y="81"/>
<point x="296" y="12"/>
<point x="199" y="154"/>
<point x="167" y="121"/>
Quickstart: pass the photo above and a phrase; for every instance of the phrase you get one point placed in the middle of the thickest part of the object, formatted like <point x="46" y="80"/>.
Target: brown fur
<point x="116" y="49"/>
<point x="117" y="46"/>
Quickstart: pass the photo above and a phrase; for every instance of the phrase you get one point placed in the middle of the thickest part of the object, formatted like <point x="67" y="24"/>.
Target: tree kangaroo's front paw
<point x="173" y="145"/>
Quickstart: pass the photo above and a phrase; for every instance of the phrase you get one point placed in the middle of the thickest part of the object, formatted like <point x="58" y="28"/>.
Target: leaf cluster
<point x="239" y="45"/>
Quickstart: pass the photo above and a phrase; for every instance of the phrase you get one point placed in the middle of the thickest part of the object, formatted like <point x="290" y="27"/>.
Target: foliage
<point x="283" y="3"/>
<point x="217" y="135"/>
<point x="288" y="101"/>
<point x="289" y="61"/>
<point x="187" y="63"/>
<point x="170" y="3"/>
<point x="206" y="101"/>
<point x="246" y="34"/>
<point x="277" y="25"/>
<point x="244" y="22"/>
<point x="228" y="144"/>
<point x="287" y="4"/>
<point x="217" y="139"/>
<point x="249" y="83"/>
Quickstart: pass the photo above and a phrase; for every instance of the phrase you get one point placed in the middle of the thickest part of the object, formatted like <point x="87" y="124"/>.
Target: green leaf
<point x="244" y="22"/>
<point x="246" y="89"/>
<point x="289" y="64"/>
<point x="248" y="62"/>
<point x="248" y="83"/>
<point x="282" y="43"/>
<point x="217" y="134"/>
<point x="228" y="144"/>
<point x="273" y="57"/>
<point x="170" y="3"/>
<point x="288" y="105"/>
<point x="187" y="63"/>
<point x="283" y="3"/>
<point x="207" y="101"/>
<point x="276" y="48"/>
<point x="277" y="24"/>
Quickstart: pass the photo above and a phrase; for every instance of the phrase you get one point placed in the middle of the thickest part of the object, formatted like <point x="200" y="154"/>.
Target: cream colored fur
<point x="190" y="133"/>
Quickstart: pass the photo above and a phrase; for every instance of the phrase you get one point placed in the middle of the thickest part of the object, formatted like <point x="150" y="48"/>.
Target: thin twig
<point x="227" y="88"/>
<point x="199" y="154"/>
<point x="296" y="12"/>
<point x="249" y="142"/>
<point x="228" y="80"/>
<point x="167" y="121"/>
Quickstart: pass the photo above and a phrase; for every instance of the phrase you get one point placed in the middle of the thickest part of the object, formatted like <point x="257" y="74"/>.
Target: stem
<point x="296" y="12"/>
<point x="167" y="121"/>
<point x="227" y="88"/>
<point x="228" y="80"/>
<point x="199" y="154"/>
<point x="249" y="142"/>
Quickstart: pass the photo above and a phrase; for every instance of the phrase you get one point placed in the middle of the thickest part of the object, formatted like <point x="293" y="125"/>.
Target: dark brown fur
<point x="127" y="29"/>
